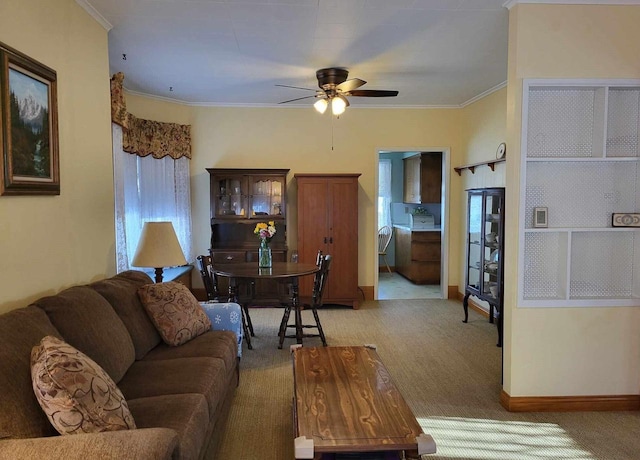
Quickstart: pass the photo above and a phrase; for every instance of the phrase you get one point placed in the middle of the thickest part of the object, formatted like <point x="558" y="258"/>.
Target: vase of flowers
<point x="265" y="232"/>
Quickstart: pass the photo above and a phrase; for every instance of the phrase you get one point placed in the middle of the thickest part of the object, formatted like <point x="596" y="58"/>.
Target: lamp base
<point x="159" y="275"/>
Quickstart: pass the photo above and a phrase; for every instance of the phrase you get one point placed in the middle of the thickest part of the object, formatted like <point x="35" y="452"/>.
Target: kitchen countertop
<point x="407" y="227"/>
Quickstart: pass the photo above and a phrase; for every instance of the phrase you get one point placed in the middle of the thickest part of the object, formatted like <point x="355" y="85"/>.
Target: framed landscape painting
<point x="29" y="126"/>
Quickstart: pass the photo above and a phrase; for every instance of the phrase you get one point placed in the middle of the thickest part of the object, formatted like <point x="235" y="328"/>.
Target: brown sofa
<point x="179" y="396"/>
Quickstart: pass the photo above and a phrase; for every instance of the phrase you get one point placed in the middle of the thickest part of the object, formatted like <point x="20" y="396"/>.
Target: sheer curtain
<point x="149" y="189"/>
<point x="384" y="192"/>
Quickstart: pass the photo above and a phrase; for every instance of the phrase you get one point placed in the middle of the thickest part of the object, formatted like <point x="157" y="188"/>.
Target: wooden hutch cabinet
<point x="239" y="199"/>
<point x="423" y="178"/>
<point x="328" y="221"/>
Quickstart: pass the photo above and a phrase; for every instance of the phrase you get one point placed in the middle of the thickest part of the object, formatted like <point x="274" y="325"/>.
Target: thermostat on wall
<point x="620" y="219"/>
<point x="540" y="217"/>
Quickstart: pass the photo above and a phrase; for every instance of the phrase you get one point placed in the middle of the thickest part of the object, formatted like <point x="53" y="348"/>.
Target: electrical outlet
<point x="406" y="209"/>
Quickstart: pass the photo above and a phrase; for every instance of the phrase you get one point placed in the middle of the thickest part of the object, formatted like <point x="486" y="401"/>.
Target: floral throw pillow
<point x="175" y="312"/>
<point x="75" y="393"/>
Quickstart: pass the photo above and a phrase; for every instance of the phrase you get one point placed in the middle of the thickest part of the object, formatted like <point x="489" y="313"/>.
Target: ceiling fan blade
<point x="372" y="93"/>
<point x="296" y="99"/>
<point x="296" y="87"/>
<point x="348" y="85"/>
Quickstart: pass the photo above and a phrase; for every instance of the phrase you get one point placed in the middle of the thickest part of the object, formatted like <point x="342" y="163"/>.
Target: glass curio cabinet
<point x="485" y="252"/>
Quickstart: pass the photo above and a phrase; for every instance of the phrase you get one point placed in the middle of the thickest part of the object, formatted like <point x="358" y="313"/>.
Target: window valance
<point x="146" y="137"/>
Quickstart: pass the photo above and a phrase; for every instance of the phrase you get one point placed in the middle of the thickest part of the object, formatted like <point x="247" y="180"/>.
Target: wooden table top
<point x="252" y="271"/>
<point x="346" y="401"/>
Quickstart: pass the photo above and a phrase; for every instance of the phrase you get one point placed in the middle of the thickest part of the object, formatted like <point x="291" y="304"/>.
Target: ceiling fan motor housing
<point x="331" y="77"/>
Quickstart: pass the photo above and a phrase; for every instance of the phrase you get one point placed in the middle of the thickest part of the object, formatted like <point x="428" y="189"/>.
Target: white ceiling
<point x="234" y="52"/>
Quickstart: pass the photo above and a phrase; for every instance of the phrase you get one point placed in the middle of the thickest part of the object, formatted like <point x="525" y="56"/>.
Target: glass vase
<point x="264" y="255"/>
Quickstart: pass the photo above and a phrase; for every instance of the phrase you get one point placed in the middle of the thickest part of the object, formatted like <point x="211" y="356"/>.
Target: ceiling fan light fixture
<point x="321" y="105"/>
<point x="338" y="105"/>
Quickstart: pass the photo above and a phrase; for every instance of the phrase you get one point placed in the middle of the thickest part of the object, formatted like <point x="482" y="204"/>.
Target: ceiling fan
<point x="334" y="89"/>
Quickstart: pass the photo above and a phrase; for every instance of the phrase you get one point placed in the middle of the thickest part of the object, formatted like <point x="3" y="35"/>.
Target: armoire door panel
<point x="328" y="221"/>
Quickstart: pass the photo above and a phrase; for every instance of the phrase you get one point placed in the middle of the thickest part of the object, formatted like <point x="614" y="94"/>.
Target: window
<point x="384" y="192"/>
<point x="149" y="189"/>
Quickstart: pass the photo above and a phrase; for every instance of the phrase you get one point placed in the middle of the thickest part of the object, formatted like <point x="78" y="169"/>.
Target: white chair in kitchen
<point x="384" y="238"/>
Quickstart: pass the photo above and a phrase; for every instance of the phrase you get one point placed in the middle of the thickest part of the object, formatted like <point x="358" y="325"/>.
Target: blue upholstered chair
<point x="225" y="317"/>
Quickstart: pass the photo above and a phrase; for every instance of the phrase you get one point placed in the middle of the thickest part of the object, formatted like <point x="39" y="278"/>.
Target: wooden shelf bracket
<point x="472" y="167"/>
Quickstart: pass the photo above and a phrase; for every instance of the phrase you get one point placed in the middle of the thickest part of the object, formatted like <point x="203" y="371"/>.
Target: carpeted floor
<point x="448" y="372"/>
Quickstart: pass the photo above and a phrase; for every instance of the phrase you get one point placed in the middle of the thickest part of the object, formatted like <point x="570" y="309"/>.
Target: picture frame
<point x="540" y="217"/>
<point x="28" y="126"/>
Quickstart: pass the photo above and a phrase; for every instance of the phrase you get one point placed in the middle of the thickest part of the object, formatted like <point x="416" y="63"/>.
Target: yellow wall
<point x="301" y="140"/>
<point x="566" y="351"/>
<point x="51" y="242"/>
<point x="484" y="128"/>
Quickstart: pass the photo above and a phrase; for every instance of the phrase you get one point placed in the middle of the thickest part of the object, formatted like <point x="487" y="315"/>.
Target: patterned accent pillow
<point x="175" y="312"/>
<point x="75" y="393"/>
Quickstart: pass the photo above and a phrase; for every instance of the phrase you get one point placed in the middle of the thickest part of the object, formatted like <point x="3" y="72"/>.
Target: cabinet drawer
<point x="425" y="251"/>
<point x="229" y="257"/>
<point x="276" y="256"/>
<point x="425" y="236"/>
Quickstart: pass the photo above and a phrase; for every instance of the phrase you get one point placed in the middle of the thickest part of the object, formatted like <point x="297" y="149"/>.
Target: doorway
<point x="393" y="211"/>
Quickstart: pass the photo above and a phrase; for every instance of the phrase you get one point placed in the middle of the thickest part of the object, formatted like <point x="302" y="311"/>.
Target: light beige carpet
<point x="448" y="372"/>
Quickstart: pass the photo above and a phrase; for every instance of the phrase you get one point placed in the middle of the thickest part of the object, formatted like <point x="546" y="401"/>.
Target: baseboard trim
<point x="452" y="292"/>
<point x="569" y="403"/>
<point x="367" y="292"/>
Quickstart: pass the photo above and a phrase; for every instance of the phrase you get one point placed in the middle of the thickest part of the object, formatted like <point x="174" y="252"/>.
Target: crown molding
<point x="511" y="3"/>
<point x="88" y="7"/>
<point x="483" y="94"/>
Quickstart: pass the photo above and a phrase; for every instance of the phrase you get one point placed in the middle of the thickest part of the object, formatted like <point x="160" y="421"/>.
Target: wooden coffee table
<point x="345" y="401"/>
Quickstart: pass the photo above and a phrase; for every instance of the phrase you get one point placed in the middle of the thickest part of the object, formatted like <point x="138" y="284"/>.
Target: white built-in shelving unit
<point x="581" y="157"/>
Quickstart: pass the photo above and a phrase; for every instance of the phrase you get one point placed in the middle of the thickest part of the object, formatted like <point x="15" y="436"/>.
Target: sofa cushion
<point x="20" y="331"/>
<point x="205" y="376"/>
<point x="121" y="292"/>
<point x="187" y="414"/>
<point x="89" y="323"/>
<point x="212" y="344"/>
<point x="175" y="312"/>
<point x="77" y="395"/>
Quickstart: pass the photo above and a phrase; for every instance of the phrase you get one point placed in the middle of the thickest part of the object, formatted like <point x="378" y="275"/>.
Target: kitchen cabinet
<point x="485" y="251"/>
<point x="423" y="178"/>
<point x="418" y="254"/>
<point x="328" y="221"/>
<point x="239" y="199"/>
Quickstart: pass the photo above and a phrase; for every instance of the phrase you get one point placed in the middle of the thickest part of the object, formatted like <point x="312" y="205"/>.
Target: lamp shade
<point x="321" y="105"/>
<point x="158" y="247"/>
<point x="338" y="105"/>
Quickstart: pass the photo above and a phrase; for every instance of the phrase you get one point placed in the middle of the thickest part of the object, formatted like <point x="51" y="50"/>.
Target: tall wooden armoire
<point x="328" y="221"/>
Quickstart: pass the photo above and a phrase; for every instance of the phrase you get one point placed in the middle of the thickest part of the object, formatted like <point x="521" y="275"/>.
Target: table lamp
<point x="158" y="248"/>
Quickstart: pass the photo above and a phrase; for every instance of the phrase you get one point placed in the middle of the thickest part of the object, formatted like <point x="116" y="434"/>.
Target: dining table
<point x="286" y="271"/>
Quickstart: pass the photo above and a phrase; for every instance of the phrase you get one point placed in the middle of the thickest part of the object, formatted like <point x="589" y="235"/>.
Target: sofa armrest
<point x="145" y="443"/>
<point x="225" y="317"/>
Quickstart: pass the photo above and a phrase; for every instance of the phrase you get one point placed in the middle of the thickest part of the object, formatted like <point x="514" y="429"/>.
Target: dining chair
<point x="384" y="237"/>
<point x="210" y="281"/>
<point x="312" y="303"/>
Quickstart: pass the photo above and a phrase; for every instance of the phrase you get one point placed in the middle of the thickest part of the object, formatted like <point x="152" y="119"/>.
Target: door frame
<point x="444" y="210"/>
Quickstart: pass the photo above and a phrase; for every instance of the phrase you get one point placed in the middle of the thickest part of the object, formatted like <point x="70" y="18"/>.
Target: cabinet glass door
<point x="474" y="260"/>
<point x="230" y="196"/>
<point x="492" y="256"/>
<point x="266" y="197"/>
